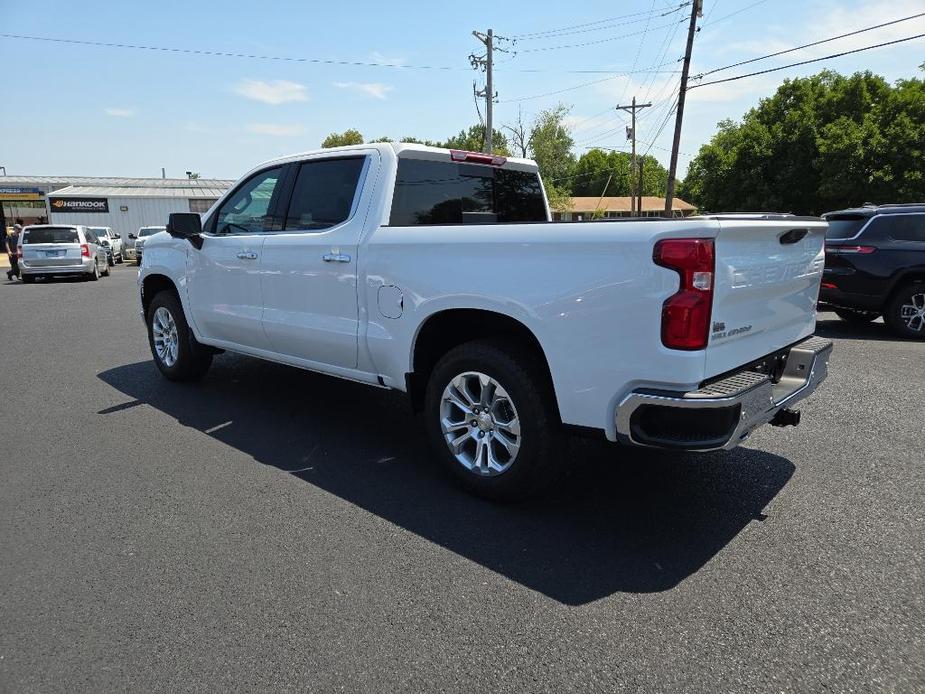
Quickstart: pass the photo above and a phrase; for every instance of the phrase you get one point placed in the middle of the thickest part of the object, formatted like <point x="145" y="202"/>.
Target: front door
<point x="309" y="268"/>
<point x="223" y="277"/>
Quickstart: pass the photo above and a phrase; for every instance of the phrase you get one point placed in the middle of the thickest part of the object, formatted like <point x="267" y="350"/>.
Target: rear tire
<point x="106" y="271"/>
<point x="488" y="398"/>
<point x="905" y="312"/>
<point x="95" y="275"/>
<point x="177" y="354"/>
<point x="852" y="316"/>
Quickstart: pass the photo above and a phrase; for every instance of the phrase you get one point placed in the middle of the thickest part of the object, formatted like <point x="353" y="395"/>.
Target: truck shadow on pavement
<point x="630" y="521"/>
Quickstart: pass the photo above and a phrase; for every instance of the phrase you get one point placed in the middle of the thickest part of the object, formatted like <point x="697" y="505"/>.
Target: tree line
<point x="818" y="143"/>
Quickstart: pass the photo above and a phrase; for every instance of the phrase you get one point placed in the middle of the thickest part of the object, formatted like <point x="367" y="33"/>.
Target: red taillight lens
<point x="477" y="157"/>
<point x="686" y="314"/>
<point x="828" y="285"/>
<point x="850" y="250"/>
<point x="84" y="250"/>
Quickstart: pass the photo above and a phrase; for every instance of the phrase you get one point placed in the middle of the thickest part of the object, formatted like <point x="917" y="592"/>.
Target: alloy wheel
<point x="164" y="332"/>
<point x="480" y="423"/>
<point x="912" y="312"/>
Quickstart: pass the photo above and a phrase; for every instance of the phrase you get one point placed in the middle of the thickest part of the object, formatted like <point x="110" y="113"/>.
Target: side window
<point x="323" y="193"/>
<point x="906" y="227"/>
<point x="247" y="210"/>
<point x="90" y="236"/>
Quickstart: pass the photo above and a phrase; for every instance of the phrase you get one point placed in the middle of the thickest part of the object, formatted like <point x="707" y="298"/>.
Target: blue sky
<point x="71" y="109"/>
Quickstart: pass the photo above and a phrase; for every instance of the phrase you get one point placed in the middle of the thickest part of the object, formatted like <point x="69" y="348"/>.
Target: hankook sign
<point x="79" y="204"/>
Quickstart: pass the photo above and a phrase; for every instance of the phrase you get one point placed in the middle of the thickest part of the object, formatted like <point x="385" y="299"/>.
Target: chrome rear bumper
<point x="720" y="415"/>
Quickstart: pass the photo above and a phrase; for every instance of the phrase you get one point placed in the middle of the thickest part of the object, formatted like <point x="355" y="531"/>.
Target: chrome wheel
<point x="480" y="423"/>
<point x="164" y="331"/>
<point x="912" y="312"/>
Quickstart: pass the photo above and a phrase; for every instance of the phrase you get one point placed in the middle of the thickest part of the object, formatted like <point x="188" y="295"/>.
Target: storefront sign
<point x="79" y="204"/>
<point x="16" y="193"/>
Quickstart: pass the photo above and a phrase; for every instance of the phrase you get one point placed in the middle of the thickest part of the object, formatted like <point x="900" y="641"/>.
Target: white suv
<point x="113" y="243"/>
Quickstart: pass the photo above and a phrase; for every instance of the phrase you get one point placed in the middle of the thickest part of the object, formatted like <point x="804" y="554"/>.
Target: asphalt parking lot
<point x="270" y="529"/>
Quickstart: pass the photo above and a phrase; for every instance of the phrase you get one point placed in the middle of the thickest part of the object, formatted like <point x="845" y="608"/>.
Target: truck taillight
<point x="84" y="250"/>
<point x="686" y="313"/>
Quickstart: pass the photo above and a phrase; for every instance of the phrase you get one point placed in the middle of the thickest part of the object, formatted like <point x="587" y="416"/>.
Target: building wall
<point x="141" y="212"/>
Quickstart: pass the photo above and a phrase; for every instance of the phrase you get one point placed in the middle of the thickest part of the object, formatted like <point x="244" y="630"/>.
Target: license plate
<point x="53" y="254"/>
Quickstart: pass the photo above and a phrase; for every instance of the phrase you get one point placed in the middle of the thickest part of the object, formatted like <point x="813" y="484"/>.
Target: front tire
<point x="856" y="317"/>
<point x="491" y="419"/>
<point x="905" y="312"/>
<point x="177" y="354"/>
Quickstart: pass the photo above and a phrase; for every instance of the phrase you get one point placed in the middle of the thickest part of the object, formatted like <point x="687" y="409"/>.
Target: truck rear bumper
<point x="720" y="415"/>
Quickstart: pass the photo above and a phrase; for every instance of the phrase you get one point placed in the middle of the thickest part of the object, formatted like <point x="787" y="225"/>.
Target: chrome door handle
<point x="336" y="258"/>
<point x="247" y="256"/>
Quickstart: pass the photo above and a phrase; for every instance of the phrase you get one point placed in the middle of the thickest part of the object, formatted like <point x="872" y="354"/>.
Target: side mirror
<point x="184" y="225"/>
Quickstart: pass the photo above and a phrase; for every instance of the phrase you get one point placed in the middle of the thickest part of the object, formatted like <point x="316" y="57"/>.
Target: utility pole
<point x="696" y="11"/>
<point x="486" y="61"/>
<point x="631" y="135"/>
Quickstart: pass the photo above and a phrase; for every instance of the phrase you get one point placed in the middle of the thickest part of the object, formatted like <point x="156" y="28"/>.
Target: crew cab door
<point x="309" y="267"/>
<point x="223" y="277"/>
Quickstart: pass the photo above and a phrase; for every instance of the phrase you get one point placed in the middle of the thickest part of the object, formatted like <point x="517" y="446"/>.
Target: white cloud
<point x="378" y="57"/>
<point x="275" y="93"/>
<point x="376" y="90"/>
<point x="275" y="129"/>
<point x="120" y="112"/>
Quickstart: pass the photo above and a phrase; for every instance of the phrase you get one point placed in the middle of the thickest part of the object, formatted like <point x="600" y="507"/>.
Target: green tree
<point x="473" y="139"/>
<point x="597" y="169"/>
<point x="550" y="145"/>
<point x="819" y="143"/>
<point x="348" y="137"/>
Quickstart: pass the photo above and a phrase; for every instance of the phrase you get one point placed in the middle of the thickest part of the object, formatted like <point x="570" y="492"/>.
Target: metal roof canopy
<point x="210" y="193"/>
<point x="93" y="181"/>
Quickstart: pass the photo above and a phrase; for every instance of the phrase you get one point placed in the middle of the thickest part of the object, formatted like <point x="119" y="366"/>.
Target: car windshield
<point x="50" y="235"/>
<point x="148" y="231"/>
<point x="844" y="226"/>
<point x="99" y="231"/>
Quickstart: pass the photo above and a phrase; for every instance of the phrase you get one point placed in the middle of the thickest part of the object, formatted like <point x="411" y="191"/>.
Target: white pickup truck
<point x="439" y="273"/>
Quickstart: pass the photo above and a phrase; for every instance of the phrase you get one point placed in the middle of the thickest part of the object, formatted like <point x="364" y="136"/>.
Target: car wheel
<point x="110" y="261"/>
<point x="491" y="418"/>
<point x="853" y="316"/>
<point x="95" y="275"/>
<point x="120" y="260"/>
<point x="905" y="313"/>
<point x="106" y="270"/>
<point x="177" y="354"/>
<point x="27" y="279"/>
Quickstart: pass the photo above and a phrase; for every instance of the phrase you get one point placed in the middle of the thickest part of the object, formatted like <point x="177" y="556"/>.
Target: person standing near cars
<point x="12" y="241"/>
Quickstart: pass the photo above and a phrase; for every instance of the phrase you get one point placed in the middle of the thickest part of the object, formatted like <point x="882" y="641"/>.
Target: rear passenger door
<point x="309" y="267"/>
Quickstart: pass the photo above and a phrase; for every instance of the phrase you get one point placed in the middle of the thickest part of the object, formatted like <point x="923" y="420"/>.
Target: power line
<point x="636" y="59"/>
<point x="292" y="59"/>
<point x="593" y="43"/>
<point x="809" y="45"/>
<point x="588" y="84"/>
<point x="807" y="62"/>
<point x="733" y="14"/>
<point x="652" y="13"/>
<point x="586" y="24"/>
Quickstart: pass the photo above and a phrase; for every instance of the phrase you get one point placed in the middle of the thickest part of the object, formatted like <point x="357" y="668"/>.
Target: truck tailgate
<point x="766" y="286"/>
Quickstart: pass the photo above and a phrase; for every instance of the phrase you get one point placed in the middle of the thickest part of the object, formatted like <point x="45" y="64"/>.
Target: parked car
<point x="60" y="249"/>
<point x="143" y="234"/>
<point x="438" y="273"/>
<point x="113" y="243"/>
<point x="875" y="265"/>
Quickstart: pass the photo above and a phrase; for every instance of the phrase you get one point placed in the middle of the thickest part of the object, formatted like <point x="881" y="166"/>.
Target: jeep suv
<point x="875" y="265"/>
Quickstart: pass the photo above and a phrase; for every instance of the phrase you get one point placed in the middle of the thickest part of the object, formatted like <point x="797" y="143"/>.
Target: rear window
<point x="50" y="235"/>
<point x="844" y="226"/>
<point x="433" y="192"/>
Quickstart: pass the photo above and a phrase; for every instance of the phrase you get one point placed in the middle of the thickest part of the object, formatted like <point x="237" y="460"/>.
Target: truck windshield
<point x="148" y="231"/>
<point x="844" y="226"/>
<point x="434" y="192"/>
<point x="50" y="235"/>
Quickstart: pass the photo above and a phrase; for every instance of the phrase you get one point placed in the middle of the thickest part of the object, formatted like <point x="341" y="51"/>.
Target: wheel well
<point x="448" y="329"/>
<point x="152" y="285"/>
<point x="903" y="282"/>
